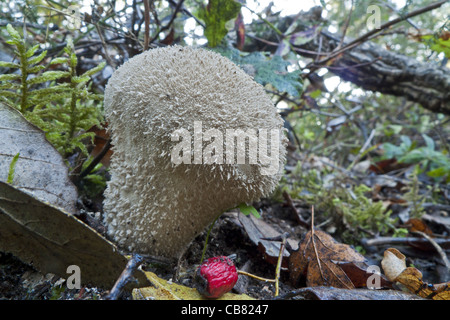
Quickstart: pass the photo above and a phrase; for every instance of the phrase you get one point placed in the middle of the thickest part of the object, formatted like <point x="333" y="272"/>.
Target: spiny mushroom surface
<point x="153" y="204"/>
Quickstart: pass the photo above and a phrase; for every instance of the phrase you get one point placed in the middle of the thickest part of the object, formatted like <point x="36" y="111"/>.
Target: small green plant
<point x="439" y="41"/>
<point x="361" y="212"/>
<point x="57" y="101"/>
<point x="435" y="163"/>
<point x="12" y="169"/>
<point x="94" y="183"/>
<point x="216" y="15"/>
<point x="350" y="206"/>
<point x="413" y="198"/>
<point x="57" y="291"/>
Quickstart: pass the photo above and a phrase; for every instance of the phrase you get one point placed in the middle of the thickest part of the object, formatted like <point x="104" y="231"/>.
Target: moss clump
<point x="59" y="102"/>
<point x="348" y="205"/>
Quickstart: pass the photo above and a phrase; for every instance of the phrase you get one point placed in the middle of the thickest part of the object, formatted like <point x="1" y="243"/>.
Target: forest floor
<point x="229" y="236"/>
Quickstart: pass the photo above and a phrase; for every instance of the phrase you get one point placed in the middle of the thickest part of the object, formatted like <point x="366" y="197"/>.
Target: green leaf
<point x="81" y="79"/>
<point x="247" y="210"/>
<point x="406" y="143"/>
<point x="49" y="76"/>
<point x="267" y="70"/>
<point x="14" y="42"/>
<point x="12" y="168"/>
<point x="38" y="58"/>
<point x="6" y="93"/>
<point x="13" y="33"/>
<point x="439" y="172"/>
<point x="215" y="15"/>
<point x="438" y="44"/>
<point x="30" y="52"/>
<point x="59" y="60"/>
<point x="315" y="94"/>
<point x="5" y="64"/>
<point x="429" y="142"/>
<point x="35" y="69"/>
<point x="9" y="77"/>
<point x="94" y="70"/>
<point x="414" y="156"/>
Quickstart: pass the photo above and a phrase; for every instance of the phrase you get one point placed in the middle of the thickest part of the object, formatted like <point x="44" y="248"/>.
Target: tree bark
<point x="374" y="68"/>
<point x="369" y="65"/>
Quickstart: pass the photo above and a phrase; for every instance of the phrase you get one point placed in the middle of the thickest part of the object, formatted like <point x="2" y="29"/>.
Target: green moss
<point x="60" y="102"/>
<point x="348" y="205"/>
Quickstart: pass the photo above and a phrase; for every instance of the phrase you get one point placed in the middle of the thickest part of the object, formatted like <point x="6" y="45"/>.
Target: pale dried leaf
<point x="393" y="263"/>
<point x="40" y="169"/>
<point x="50" y="239"/>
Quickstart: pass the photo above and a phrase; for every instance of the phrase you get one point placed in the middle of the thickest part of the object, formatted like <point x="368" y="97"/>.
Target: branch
<point x="369" y="34"/>
<point x="125" y="277"/>
<point x="366" y="64"/>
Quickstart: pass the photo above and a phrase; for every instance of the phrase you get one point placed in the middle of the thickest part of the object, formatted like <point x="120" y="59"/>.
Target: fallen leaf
<point x="358" y="273"/>
<point x="40" y="169"/>
<point x="415" y="225"/>
<point x="411" y="279"/>
<point x="386" y="166"/>
<point x="165" y="290"/>
<point x="442" y="221"/>
<point x="394" y="267"/>
<point x="393" y="263"/>
<point x="100" y="139"/>
<point x="318" y="259"/>
<point x="257" y="229"/>
<point x="51" y="240"/>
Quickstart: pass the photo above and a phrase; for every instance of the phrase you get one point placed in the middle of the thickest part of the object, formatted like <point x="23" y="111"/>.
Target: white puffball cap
<point x="153" y="205"/>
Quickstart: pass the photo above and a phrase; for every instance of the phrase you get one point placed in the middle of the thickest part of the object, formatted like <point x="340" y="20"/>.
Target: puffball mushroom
<point x="167" y="186"/>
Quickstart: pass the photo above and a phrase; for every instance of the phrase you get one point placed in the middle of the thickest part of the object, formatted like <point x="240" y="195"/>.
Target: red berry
<point x="216" y="276"/>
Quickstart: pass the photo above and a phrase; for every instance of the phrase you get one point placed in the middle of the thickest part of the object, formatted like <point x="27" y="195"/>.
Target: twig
<point x="199" y="22"/>
<point x="172" y="19"/>
<point x="366" y="36"/>
<point x="314" y="243"/>
<point x="364" y="64"/>
<point x="300" y="220"/>
<point x="283" y="239"/>
<point x="105" y="48"/>
<point x="245" y="273"/>
<point x="29" y="25"/>
<point x="362" y="150"/>
<point x="400" y="14"/>
<point x="278" y="268"/>
<point x="346" y="27"/>
<point x="147" y="24"/>
<point x="403" y="241"/>
<point x="437" y="247"/>
<point x="95" y="161"/>
<point x="125" y="277"/>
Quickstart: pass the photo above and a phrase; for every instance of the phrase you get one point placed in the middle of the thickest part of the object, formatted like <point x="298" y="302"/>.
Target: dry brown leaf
<point x="257" y="229"/>
<point x="318" y="259"/>
<point x="394" y="267"/>
<point x="415" y="225"/>
<point x="101" y="138"/>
